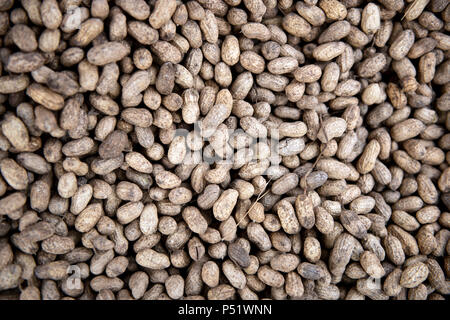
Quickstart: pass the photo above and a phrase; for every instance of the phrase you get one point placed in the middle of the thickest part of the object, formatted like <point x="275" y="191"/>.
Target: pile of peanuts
<point x="314" y="164"/>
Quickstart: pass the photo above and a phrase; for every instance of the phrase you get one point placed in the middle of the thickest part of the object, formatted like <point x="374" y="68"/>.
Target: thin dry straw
<point x="259" y="197"/>
<point x="410" y="8"/>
